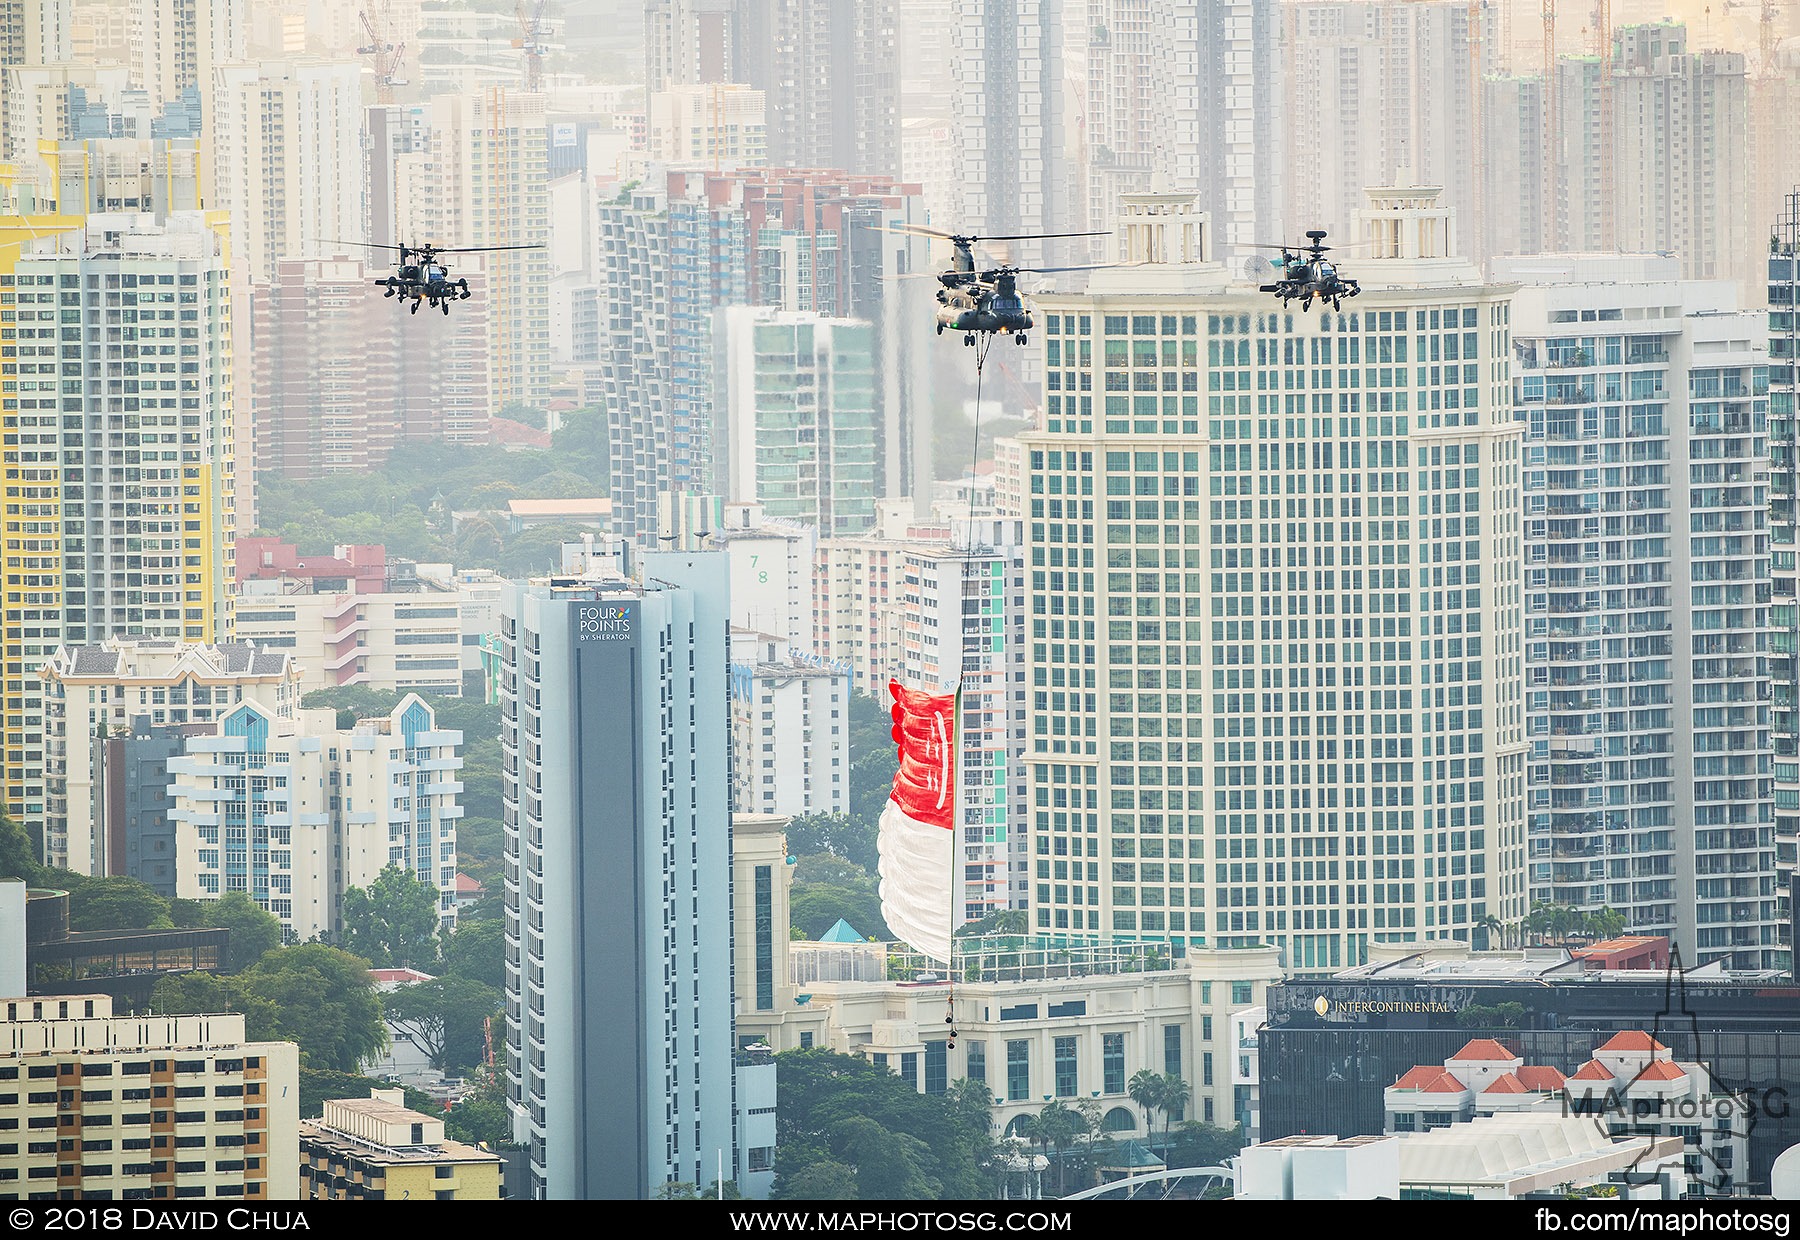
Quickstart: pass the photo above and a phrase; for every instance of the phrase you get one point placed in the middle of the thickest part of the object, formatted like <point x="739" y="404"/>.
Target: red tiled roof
<point x="1633" y="1040"/>
<point x="1417" y="1078"/>
<point x="1593" y="1070"/>
<point x="1661" y="1070"/>
<point x="1540" y="1076"/>
<point x="466" y="885"/>
<point x="1482" y="1050"/>
<point x="1444" y="1084"/>
<point x="1506" y="1084"/>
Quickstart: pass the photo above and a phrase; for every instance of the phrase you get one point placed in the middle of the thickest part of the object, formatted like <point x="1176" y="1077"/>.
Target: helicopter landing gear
<point x="444" y="306"/>
<point x="415" y="306"/>
<point x="1020" y="339"/>
<point x="940" y="329"/>
<point x="969" y="339"/>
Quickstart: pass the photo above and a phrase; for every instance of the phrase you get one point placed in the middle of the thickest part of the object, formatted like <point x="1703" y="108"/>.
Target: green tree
<point x="1057" y="1127"/>
<point x="394" y="921"/>
<point x="1195" y="1144"/>
<point x="319" y="1086"/>
<point x="836" y="834"/>
<point x="1176" y="1094"/>
<point x="18" y="859"/>
<point x="823" y="1181"/>
<point x="481" y="1116"/>
<point x="476" y="950"/>
<point x="1147" y="1089"/>
<point x="324" y="1000"/>
<point x="115" y="902"/>
<point x="253" y="930"/>
<point x="446" y="1018"/>
<point x="900" y="1143"/>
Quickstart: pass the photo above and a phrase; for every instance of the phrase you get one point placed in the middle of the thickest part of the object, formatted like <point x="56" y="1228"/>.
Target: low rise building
<point x="157" y="1107"/>
<point x="378" y="1149"/>
<point x="1032" y="1022"/>
<point x="406" y="641"/>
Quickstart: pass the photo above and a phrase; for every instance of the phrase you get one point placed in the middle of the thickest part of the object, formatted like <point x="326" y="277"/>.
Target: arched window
<point x="1016" y="1126"/>
<point x="1119" y="1119"/>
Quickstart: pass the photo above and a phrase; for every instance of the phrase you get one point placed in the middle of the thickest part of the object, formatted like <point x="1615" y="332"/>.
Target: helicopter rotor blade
<point x="920" y="230"/>
<point x="367" y="245"/>
<point x="1043" y="236"/>
<point x="479" y="249"/>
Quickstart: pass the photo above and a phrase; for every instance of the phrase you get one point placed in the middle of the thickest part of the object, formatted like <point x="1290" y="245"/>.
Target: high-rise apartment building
<point x="1379" y="89"/>
<point x="95" y="691"/>
<point x="960" y="616"/>
<point x="613" y="700"/>
<point x="286" y="141"/>
<point x="181" y="42"/>
<point x="1008" y="128"/>
<point x="1646" y="600"/>
<point x="1784" y="525"/>
<point x="119" y="484"/>
<point x="479" y="181"/>
<point x="32" y="32"/>
<point x="771" y="572"/>
<point x="789" y="713"/>
<point x="1274" y="601"/>
<point x="1676" y="178"/>
<point x="828" y="70"/>
<point x="1189" y="93"/>
<point x="1682" y="162"/>
<point x="685" y="244"/>
<point x="799" y="399"/>
<point x="343" y="376"/>
<point x="294" y="812"/>
<point x="716" y="125"/>
<point x="70" y="1065"/>
<point x="831" y="72"/>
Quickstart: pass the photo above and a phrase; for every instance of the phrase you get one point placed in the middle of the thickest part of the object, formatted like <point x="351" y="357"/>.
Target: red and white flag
<point x="917" y="841"/>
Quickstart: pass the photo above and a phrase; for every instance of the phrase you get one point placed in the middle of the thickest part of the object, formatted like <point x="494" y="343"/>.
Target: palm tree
<point x="1176" y="1093"/>
<point x="1606" y="923"/>
<point x="1058" y="1126"/>
<point x="1146" y="1089"/>
<point x="1494" y="927"/>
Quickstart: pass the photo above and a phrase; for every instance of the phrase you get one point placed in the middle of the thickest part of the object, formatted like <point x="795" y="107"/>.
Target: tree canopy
<point x="253" y="930"/>
<point x="836" y="1110"/>
<point x="115" y="902"/>
<point x="446" y="1018"/>
<point x="394" y="921"/>
<point x="316" y="996"/>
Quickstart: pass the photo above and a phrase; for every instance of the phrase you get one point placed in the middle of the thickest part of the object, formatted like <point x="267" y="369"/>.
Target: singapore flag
<point x="917" y="840"/>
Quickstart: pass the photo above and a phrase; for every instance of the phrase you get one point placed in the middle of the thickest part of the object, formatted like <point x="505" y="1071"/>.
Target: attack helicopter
<point x="419" y="276"/>
<point x="1304" y="273"/>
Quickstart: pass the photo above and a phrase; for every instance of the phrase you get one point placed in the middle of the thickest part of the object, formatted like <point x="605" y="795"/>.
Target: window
<point x="1241" y="995"/>
<point x="1018" y="1071"/>
<point x="1112" y="1063"/>
<point x="806" y="1039"/>
<point x="937" y="1068"/>
<point x="1065" y="1067"/>
<point x="975" y="1062"/>
<point x="1172" y="1050"/>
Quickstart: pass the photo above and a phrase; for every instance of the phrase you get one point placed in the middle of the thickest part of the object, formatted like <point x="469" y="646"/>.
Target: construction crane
<point x="532" y="41"/>
<point x="388" y="56"/>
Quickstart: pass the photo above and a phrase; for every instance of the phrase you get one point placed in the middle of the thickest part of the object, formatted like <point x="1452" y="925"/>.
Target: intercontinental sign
<point x="1326" y="1006"/>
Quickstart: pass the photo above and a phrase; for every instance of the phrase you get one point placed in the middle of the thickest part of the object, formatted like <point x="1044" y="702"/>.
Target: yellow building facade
<point x="116" y="443"/>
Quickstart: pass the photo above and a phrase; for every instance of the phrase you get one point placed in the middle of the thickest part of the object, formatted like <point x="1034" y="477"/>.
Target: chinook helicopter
<point x="980" y="302"/>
